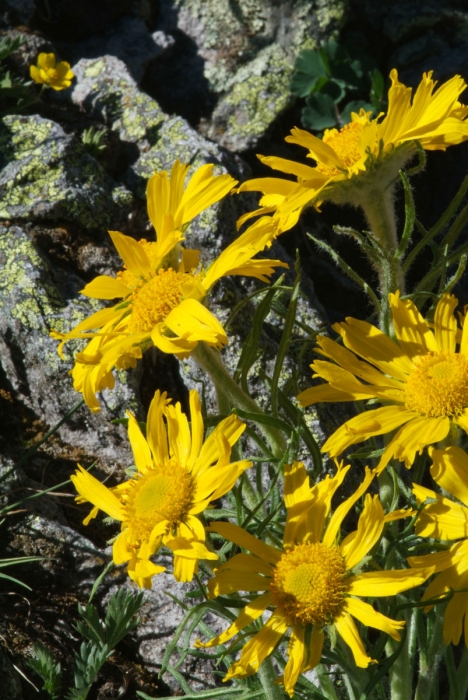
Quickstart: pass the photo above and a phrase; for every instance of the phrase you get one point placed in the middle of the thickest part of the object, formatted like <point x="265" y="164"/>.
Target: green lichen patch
<point x="48" y="175"/>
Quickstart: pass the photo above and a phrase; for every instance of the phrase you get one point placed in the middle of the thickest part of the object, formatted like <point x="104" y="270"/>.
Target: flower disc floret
<point x="308" y="584"/>
<point x="163" y="493"/>
<point x="438" y="385"/>
<point x="154" y="299"/>
<point x="345" y="143"/>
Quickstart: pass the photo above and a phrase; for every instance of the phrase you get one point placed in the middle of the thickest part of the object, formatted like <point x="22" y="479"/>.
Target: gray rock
<point x="129" y="41"/>
<point x="246" y="53"/>
<point x="46" y="174"/>
<point x="34" y="297"/>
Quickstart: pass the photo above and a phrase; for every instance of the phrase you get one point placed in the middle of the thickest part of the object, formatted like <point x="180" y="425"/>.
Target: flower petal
<point x="132" y="253"/>
<point x="251" y="612"/>
<point x="382" y="583"/>
<point x="96" y="493"/>
<point x="349" y="633"/>
<point x="366" y="614"/>
<point x="103" y="287"/>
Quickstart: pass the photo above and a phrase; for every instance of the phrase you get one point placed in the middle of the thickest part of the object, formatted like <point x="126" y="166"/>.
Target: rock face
<point x="244" y="56"/>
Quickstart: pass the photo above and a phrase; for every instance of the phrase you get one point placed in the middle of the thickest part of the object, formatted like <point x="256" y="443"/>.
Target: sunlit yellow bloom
<point x="47" y="71"/>
<point x="178" y="475"/>
<point x="313" y="582"/>
<point x="422" y="379"/>
<point x="447" y="520"/>
<point x="162" y="287"/>
<point x="365" y="153"/>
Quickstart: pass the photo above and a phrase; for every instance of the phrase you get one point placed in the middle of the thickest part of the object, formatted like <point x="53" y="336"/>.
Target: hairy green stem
<point x="429" y="664"/>
<point x="267" y="676"/>
<point x="227" y="390"/>
<point x="380" y="214"/>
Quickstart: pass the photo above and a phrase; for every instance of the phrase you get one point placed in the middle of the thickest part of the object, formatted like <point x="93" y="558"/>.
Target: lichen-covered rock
<point x="46" y="174"/>
<point x="34" y="297"/>
<point x="248" y="50"/>
<point x="106" y="90"/>
<point x="129" y="40"/>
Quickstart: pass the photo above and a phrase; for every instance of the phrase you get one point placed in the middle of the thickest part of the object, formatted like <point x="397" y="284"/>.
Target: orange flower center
<point x="155" y="298"/>
<point x="438" y="386"/>
<point x="163" y="493"/>
<point x="308" y="584"/>
<point x="345" y="143"/>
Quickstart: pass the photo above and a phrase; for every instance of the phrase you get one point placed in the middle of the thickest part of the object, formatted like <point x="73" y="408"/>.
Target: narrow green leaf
<point x="348" y="270"/>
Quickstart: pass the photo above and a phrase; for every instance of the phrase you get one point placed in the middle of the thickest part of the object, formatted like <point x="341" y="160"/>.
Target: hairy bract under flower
<point x="311" y="583"/>
<point x="422" y="378"/>
<point x="178" y="475"/>
<point x="366" y="154"/>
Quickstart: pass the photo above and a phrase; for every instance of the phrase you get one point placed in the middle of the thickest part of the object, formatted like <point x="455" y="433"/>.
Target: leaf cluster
<point x="101" y="639"/>
<point x="335" y="81"/>
<point x="15" y="93"/>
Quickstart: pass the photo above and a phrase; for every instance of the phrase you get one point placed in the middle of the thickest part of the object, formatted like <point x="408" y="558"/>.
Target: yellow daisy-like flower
<point x="313" y="581"/>
<point x="422" y="379"/>
<point x="178" y="475"/>
<point x="48" y="72"/>
<point x="445" y="519"/>
<point x="161" y="290"/>
<point x="365" y="153"/>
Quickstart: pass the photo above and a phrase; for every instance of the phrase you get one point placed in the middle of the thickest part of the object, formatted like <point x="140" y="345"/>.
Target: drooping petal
<point x="251" y="612"/>
<point x="349" y="633"/>
<point x="413" y="437"/>
<point x="366" y="614"/>
<point x="258" y="648"/>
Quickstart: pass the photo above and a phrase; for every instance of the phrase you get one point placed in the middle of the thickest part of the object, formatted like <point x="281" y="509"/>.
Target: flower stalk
<point x="229" y="394"/>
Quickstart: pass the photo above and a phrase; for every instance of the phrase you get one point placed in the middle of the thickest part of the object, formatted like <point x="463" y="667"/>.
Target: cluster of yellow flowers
<point x="314" y="580"/>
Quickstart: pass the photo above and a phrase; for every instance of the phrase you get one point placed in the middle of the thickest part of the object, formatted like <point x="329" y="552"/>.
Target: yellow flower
<point x="57" y="75"/>
<point x="445" y="519"/>
<point x="178" y="475"/>
<point x="422" y="379"/>
<point x="163" y="294"/>
<point x="313" y="581"/>
<point x="365" y="154"/>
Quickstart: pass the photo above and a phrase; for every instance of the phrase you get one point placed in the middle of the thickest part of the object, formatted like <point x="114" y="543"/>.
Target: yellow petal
<point x="46" y="61"/>
<point x="369" y="530"/>
<point x="132" y="253"/>
<point x="104" y="287"/>
<point x="413" y="437"/>
<point x="297" y="659"/>
<point x="156" y="429"/>
<point x="368" y="424"/>
<point x="445" y="323"/>
<point x="443" y="519"/>
<point x="450" y="471"/>
<point x="239" y="536"/>
<point x="96" y="493"/>
<point x="382" y="583"/>
<point x="190" y="549"/>
<point x="258" y="648"/>
<point x="343" y="509"/>
<point x="194" y="322"/>
<point x="366" y="614"/>
<point x="349" y="633"/>
<point x="180" y="440"/>
<point x="413" y="332"/>
<point x="323" y="393"/>
<point x="229" y="581"/>
<point x="251" y="612"/>
<point x="140" y="448"/>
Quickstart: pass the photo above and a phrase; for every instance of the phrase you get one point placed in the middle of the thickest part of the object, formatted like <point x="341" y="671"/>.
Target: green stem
<point x="267" y="676"/>
<point x="380" y="214"/>
<point x="429" y="665"/>
<point x="227" y="390"/>
<point x="401" y="672"/>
